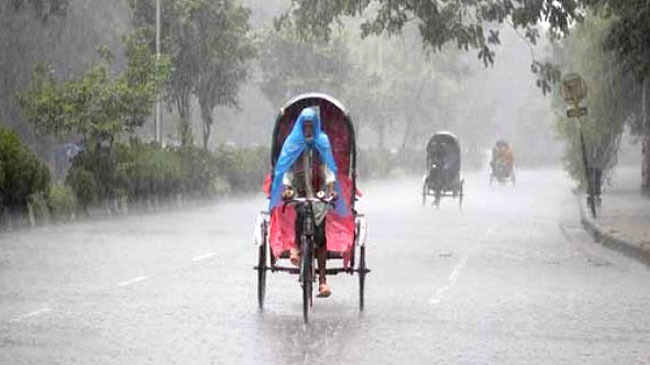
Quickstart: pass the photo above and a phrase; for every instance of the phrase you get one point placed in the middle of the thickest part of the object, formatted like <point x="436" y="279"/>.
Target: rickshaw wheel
<point x="362" y="276"/>
<point x="261" y="275"/>
<point x="306" y="279"/>
<point x="438" y="196"/>
<point x="460" y="195"/>
<point x="424" y="195"/>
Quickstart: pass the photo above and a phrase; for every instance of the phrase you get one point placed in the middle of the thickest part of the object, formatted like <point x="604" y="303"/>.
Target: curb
<point x="609" y="240"/>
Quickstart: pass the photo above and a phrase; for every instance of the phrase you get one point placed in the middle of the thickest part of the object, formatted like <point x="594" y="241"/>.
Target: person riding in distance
<point x="293" y="177"/>
<point x="501" y="152"/>
<point x="443" y="161"/>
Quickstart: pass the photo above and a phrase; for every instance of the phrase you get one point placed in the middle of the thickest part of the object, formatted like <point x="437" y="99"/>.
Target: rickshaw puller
<point x="298" y="154"/>
<point x="502" y="152"/>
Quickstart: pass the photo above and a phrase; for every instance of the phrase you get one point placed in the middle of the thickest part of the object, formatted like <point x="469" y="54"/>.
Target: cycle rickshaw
<point x="345" y="235"/>
<point x="442" y="178"/>
<point x="501" y="168"/>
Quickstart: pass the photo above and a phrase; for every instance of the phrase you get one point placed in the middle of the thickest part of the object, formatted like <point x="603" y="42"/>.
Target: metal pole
<point x="591" y="199"/>
<point x="158" y="122"/>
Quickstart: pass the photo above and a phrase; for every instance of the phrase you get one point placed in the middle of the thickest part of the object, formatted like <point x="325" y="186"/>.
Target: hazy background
<point x="450" y="90"/>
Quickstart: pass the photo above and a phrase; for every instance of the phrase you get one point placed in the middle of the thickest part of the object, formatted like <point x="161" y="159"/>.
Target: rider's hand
<point x="288" y="193"/>
<point x="332" y="195"/>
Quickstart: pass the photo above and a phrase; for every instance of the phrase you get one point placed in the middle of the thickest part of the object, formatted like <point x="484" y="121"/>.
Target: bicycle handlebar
<point x="295" y="201"/>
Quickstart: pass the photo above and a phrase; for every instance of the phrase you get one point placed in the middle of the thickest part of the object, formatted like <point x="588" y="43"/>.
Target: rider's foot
<point x="294" y="256"/>
<point x="324" y="291"/>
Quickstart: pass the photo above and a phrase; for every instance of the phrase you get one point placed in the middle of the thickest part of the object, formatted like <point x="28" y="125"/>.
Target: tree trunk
<point x="645" y="140"/>
<point x="185" y="132"/>
<point x="184" y="127"/>
<point x="206" y="134"/>
<point x="206" y="115"/>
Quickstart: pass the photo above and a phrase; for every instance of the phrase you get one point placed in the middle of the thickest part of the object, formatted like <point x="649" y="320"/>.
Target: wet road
<point x="512" y="278"/>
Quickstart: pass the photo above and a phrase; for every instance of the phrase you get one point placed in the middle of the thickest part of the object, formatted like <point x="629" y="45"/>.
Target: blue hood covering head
<point x="294" y="145"/>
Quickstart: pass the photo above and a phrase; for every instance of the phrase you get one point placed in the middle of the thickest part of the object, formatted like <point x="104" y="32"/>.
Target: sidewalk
<point x="623" y="221"/>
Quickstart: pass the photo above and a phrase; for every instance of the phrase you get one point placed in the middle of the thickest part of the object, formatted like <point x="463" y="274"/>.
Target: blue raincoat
<point x="293" y="146"/>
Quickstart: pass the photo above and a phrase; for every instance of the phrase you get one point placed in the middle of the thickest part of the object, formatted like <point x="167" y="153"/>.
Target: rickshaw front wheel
<point x="261" y="275"/>
<point x="424" y="195"/>
<point x="306" y="278"/>
<point x="362" y="276"/>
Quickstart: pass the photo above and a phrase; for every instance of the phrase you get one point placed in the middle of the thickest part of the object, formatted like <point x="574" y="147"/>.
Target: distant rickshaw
<point x="442" y="178"/>
<point x="502" y="163"/>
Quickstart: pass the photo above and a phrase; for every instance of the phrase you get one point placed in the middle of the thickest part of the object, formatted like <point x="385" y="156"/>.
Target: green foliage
<point x="611" y="102"/>
<point x="82" y="183"/>
<point x="145" y="169"/>
<point x="44" y="104"/>
<point x="21" y="173"/>
<point x="243" y="168"/>
<point x="39" y="206"/>
<point x="94" y="105"/>
<point x="629" y="34"/>
<point x="43" y="8"/>
<point x="199" y="169"/>
<point x="210" y="47"/>
<point x="62" y="33"/>
<point x="62" y="202"/>
<point x="141" y="171"/>
<point x="470" y="24"/>
<point x="291" y="66"/>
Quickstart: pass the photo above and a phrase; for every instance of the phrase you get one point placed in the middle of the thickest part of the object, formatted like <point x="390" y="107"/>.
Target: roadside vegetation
<point x="88" y="77"/>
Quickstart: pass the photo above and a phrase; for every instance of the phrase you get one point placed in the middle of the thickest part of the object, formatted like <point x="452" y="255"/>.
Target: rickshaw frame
<point x="268" y="262"/>
<point x="439" y="190"/>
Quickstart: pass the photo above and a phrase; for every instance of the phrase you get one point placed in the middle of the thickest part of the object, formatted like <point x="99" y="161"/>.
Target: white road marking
<point x="134" y="280"/>
<point x="438" y="296"/>
<point x="204" y="257"/>
<point x="35" y="313"/>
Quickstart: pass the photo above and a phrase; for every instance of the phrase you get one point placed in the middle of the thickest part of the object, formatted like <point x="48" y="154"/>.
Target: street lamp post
<point x="574" y="90"/>
<point x="158" y="133"/>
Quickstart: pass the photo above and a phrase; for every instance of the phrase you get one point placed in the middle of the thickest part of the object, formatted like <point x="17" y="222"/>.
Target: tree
<point x="629" y="38"/>
<point x="43" y="8"/>
<point x="209" y="46"/>
<point x="22" y="174"/>
<point x="95" y="105"/>
<point x="62" y="33"/>
<point x="612" y="100"/>
<point x="291" y="66"/>
<point x="223" y="51"/>
<point x="21" y="22"/>
<point x="470" y="24"/>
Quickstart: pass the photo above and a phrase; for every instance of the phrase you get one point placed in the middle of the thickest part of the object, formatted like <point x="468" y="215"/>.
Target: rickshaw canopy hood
<point x="446" y="138"/>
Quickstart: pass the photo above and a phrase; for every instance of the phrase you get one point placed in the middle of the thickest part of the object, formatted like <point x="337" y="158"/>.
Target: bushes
<point x="62" y="202"/>
<point x="244" y="168"/>
<point x="82" y="183"/>
<point x="199" y="171"/>
<point x="135" y="172"/>
<point x="21" y="173"/>
<point x="144" y="171"/>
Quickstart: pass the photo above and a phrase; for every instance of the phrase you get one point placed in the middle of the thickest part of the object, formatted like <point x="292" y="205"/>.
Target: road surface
<point x="512" y="278"/>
